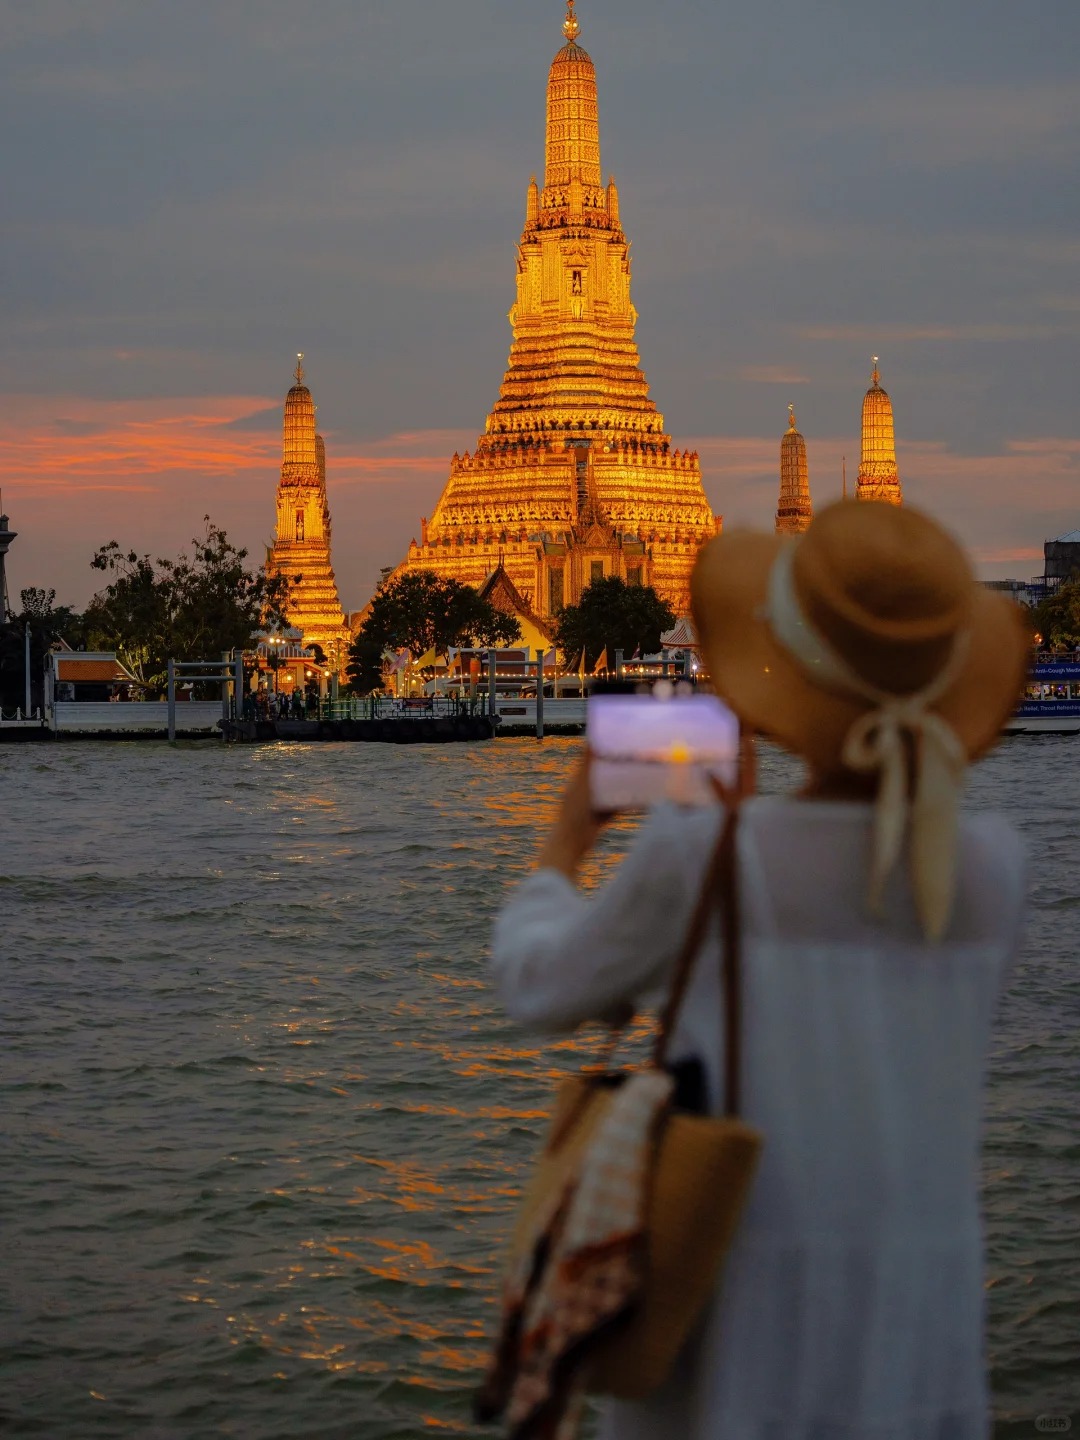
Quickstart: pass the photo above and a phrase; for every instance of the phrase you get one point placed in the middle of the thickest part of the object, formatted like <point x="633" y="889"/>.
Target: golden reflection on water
<point x="293" y="1121"/>
<point x="429" y="1221"/>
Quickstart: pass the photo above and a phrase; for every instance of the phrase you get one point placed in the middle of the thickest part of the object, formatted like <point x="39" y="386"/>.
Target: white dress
<point x="851" y="1306"/>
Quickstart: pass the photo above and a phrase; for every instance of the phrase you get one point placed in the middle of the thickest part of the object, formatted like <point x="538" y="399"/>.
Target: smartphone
<point x="659" y="744"/>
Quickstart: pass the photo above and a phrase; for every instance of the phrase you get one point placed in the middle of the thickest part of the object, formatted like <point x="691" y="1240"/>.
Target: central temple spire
<point x="573" y="125"/>
<point x="299" y="429"/>
<point x="574" y="477"/>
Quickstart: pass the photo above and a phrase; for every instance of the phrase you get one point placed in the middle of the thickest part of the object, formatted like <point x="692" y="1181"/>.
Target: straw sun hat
<point x="867" y="645"/>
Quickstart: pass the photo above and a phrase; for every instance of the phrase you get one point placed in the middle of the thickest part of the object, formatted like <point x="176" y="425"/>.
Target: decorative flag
<point x="601" y="662"/>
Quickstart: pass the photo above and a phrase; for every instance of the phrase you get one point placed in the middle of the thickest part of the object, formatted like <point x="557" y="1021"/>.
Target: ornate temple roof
<point x="574" y="472"/>
<point x="878" y="475"/>
<point x="572" y="150"/>
<point x="875" y="381"/>
<point x="299" y="428"/>
<point x="794" y="511"/>
<point x="878" y="439"/>
<point x="95" y="668"/>
<point x="301" y="548"/>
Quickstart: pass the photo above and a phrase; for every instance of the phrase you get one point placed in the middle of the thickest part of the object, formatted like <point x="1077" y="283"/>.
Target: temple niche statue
<point x="302" y="540"/>
<point x="574" y="477"/>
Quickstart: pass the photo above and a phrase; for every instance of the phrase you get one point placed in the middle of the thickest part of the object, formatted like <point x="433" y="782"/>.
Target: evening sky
<point x="194" y="191"/>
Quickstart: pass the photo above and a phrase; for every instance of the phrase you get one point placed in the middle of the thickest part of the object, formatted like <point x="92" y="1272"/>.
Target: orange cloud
<point x="62" y="443"/>
<point x="78" y="472"/>
<point x="772" y="375"/>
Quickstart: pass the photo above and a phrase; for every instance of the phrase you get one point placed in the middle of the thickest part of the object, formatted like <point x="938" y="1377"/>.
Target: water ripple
<point x="262" y="1127"/>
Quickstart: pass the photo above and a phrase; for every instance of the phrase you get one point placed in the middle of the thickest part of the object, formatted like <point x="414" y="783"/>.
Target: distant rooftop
<point x="682" y="635"/>
<point x="93" y="667"/>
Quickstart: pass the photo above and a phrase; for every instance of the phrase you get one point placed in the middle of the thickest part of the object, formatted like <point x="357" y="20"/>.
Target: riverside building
<point x="574" y="477"/>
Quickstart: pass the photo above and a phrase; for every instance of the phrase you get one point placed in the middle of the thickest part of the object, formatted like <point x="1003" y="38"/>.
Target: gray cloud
<point x="199" y="190"/>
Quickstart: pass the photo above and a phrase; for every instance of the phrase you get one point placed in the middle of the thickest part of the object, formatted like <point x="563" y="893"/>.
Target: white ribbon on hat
<point x="875" y="742"/>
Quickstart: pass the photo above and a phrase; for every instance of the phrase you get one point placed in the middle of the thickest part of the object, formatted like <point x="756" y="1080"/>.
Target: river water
<point x="263" y="1126"/>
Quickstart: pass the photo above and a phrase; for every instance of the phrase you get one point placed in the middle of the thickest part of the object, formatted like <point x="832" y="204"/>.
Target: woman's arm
<point x="561" y="957"/>
<point x="576" y="827"/>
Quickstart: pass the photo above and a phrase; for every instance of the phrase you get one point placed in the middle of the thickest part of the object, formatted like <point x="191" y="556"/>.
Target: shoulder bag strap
<point x="731" y="923"/>
<point x="718" y="885"/>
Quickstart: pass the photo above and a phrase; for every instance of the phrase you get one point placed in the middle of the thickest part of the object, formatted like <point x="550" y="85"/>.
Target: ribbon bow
<point x="875" y="742"/>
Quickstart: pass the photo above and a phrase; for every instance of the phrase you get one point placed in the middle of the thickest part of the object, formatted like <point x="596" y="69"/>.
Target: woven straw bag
<point x="702" y="1168"/>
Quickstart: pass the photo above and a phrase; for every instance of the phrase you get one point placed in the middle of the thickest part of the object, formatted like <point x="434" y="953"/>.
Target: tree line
<point x="195" y="606"/>
<point x="1057" y="618"/>
<point x="421" y="612"/>
<point x="210" y="599"/>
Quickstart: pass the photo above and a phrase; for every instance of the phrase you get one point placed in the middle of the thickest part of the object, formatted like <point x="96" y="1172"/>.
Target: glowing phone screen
<point x="647" y="749"/>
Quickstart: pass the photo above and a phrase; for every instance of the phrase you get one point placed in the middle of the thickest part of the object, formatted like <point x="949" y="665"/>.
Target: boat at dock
<point x="1051" y="704"/>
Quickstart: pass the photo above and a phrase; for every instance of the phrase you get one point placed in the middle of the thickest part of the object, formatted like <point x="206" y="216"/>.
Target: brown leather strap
<point x="719" y="887"/>
<point x="684" y="965"/>
<point x="731" y="923"/>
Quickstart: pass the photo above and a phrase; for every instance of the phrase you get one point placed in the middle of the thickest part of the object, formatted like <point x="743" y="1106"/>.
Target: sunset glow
<point x="175" y="234"/>
<point x="145" y="472"/>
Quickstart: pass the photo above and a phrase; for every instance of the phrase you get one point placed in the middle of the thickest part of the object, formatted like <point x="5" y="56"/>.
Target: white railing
<point x="556" y="712"/>
<point x="90" y="715"/>
<point x="18" y="718"/>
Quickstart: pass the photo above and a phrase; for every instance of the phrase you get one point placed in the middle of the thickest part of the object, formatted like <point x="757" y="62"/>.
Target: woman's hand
<point x="576" y="826"/>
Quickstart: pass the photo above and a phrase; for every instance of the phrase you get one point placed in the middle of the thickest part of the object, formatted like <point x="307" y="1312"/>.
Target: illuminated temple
<point x="574" y="477"/>
<point x="301" y="545"/>
<point x="879" y="479"/>
<point x="794" y="510"/>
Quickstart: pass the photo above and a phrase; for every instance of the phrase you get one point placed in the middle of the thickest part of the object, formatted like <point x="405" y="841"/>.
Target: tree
<point x="190" y="608"/>
<point x="612" y="615"/>
<point x="420" y="611"/>
<point x="364" y="672"/>
<point x="1057" y="618"/>
<point x="47" y="623"/>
